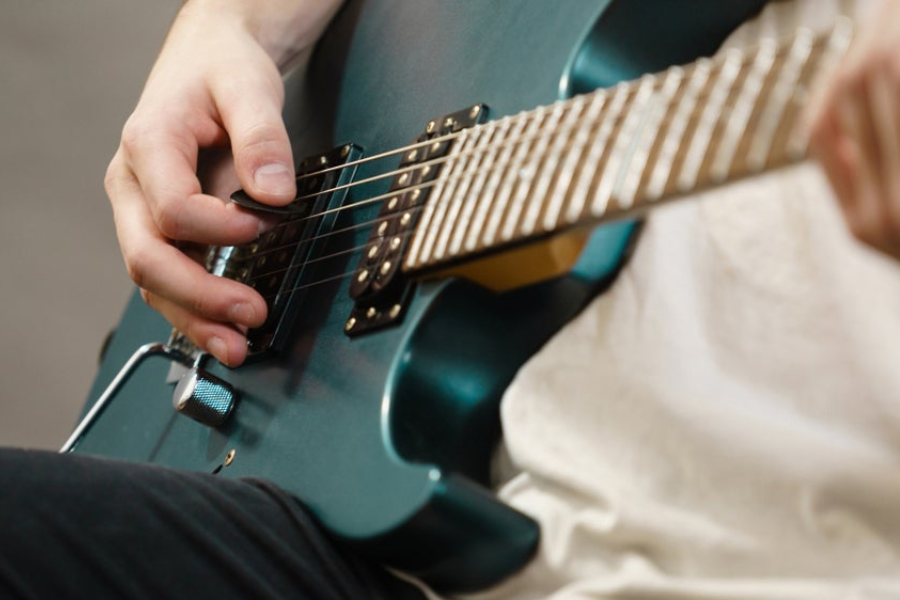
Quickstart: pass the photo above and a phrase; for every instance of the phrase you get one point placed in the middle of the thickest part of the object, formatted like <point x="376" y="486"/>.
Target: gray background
<point x="70" y="74"/>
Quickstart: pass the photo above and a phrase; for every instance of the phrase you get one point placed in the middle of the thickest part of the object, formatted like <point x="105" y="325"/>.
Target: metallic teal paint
<point x="388" y="437"/>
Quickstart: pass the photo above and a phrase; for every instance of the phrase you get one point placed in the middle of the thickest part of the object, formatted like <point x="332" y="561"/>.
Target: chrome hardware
<point x="124" y="374"/>
<point x="204" y="397"/>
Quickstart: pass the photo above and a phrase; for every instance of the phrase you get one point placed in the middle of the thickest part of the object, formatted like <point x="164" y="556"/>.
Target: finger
<point x="223" y="341"/>
<point x="869" y="220"/>
<point x="164" y="166"/>
<point x="157" y="266"/>
<point x="250" y="107"/>
<point x="883" y="94"/>
<point x="835" y="153"/>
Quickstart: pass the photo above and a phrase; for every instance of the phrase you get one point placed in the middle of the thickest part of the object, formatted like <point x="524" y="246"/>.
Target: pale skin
<point x="213" y="102"/>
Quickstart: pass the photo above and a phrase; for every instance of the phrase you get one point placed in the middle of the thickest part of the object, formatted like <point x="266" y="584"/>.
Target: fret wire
<point x="687" y="179"/>
<point x="571" y="162"/>
<point x="662" y="171"/>
<point x="744" y="106"/>
<point x="455" y="198"/>
<point x="649" y="135"/>
<point x="779" y="96"/>
<point x="388" y="173"/>
<point x="518" y="180"/>
<point x="420" y="248"/>
<point x="548" y="169"/>
<point x="595" y="154"/>
<point x="836" y="47"/>
<point x="518" y="127"/>
<point x="472" y="195"/>
<point x="486" y="199"/>
<point x="441" y="212"/>
<point x="624" y="138"/>
<point x="791" y="116"/>
<point x="532" y="167"/>
<point x="515" y="177"/>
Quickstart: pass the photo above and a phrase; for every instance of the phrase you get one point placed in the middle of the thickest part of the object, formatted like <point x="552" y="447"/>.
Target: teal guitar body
<point x="388" y="436"/>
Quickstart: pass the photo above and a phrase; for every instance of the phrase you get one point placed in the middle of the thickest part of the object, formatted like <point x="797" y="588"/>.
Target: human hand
<point x="215" y="89"/>
<point x="855" y="130"/>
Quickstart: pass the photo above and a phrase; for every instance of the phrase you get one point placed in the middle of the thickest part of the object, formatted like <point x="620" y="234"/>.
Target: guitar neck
<point x="620" y="151"/>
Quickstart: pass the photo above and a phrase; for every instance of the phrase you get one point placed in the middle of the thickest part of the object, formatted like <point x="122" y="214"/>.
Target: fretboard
<point x="620" y="151"/>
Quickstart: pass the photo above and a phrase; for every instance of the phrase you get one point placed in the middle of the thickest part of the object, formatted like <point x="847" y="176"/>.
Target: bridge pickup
<point x="281" y="262"/>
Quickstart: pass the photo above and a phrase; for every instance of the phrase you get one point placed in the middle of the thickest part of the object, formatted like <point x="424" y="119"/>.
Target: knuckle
<point x="138" y="267"/>
<point x="133" y="133"/>
<point x="169" y="216"/>
<point x="168" y="221"/>
<point x="259" y="141"/>
<point x="204" y="305"/>
<point x="111" y="176"/>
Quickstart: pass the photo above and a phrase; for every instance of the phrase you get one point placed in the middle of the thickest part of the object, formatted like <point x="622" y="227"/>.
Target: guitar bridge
<point x="278" y="264"/>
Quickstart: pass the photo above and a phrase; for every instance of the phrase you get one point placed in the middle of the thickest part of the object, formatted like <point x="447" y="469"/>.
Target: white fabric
<point x="725" y="421"/>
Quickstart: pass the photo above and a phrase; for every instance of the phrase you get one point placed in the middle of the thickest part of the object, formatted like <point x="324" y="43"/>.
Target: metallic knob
<point x="204" y="397"/>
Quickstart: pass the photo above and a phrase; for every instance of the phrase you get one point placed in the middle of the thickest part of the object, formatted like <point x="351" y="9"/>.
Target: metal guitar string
<point x="471" y="170"/>
<point x="474" y="169"/>
<point x="783" y="50"/>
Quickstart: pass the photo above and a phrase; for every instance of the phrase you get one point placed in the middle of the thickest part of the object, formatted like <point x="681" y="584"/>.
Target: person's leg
<point x="81" y="527"/>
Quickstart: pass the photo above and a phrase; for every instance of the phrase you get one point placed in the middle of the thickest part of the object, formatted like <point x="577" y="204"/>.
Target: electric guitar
<point x="444" y="230"/>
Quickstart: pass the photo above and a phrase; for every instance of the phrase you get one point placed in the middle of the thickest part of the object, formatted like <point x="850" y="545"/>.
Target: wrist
<point x="283" y="28"/>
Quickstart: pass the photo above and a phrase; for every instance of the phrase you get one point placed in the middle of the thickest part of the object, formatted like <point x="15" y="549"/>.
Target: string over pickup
<point x="282" y="260"/>
<point x="379" y="286"/>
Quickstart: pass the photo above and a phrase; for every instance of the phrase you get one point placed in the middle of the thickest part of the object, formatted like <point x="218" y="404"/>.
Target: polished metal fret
<point x="699" y="76"/>
<point x="430" y="223"/>
<point x="578" y="160"/>
<point x="743" y="109"/>
<point x="470" y="193"/>
<point x="621" y="153"/>
<point x="778" y="98"/>
<point x="722" y="84"/>
<point x="649" y="136"/>
<point x="836" y="47"/>
<point x="572" y="159"/>
<point x="548" y="170"/>
<point x="516" y="175"/>
<point x="488" y="172"/>
<point x="458" y="196"/>
<point x="592" y="162"/>
<point x="532" y="167"/>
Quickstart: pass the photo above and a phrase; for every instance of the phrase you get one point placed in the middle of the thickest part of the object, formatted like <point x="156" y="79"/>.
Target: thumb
<point x="251" y="113"/>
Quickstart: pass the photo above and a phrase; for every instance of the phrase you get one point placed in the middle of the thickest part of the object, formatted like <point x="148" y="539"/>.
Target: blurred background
<point x="70" y="74"/>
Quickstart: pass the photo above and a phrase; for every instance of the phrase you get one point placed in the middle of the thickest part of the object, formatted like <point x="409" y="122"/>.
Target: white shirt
<point x="724" y="422"/>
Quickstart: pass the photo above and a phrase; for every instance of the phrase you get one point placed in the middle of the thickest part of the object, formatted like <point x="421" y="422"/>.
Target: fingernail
<point x="218" y="348"/>
<point x="242" y="313"/>
<point x="274" y="178"/>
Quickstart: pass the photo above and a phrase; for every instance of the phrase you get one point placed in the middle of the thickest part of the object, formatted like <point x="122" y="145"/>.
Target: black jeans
<point x="81" y="527"/>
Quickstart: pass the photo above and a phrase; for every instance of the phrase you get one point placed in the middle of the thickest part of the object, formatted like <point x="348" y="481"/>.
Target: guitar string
<point x="360" y="248"/>
<point x="466" y="173"/>
<point x="405" y="234"/>
<point x="471" y="170"/>
<point x="353" y="272"/>
<point x="565" y="104"/>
